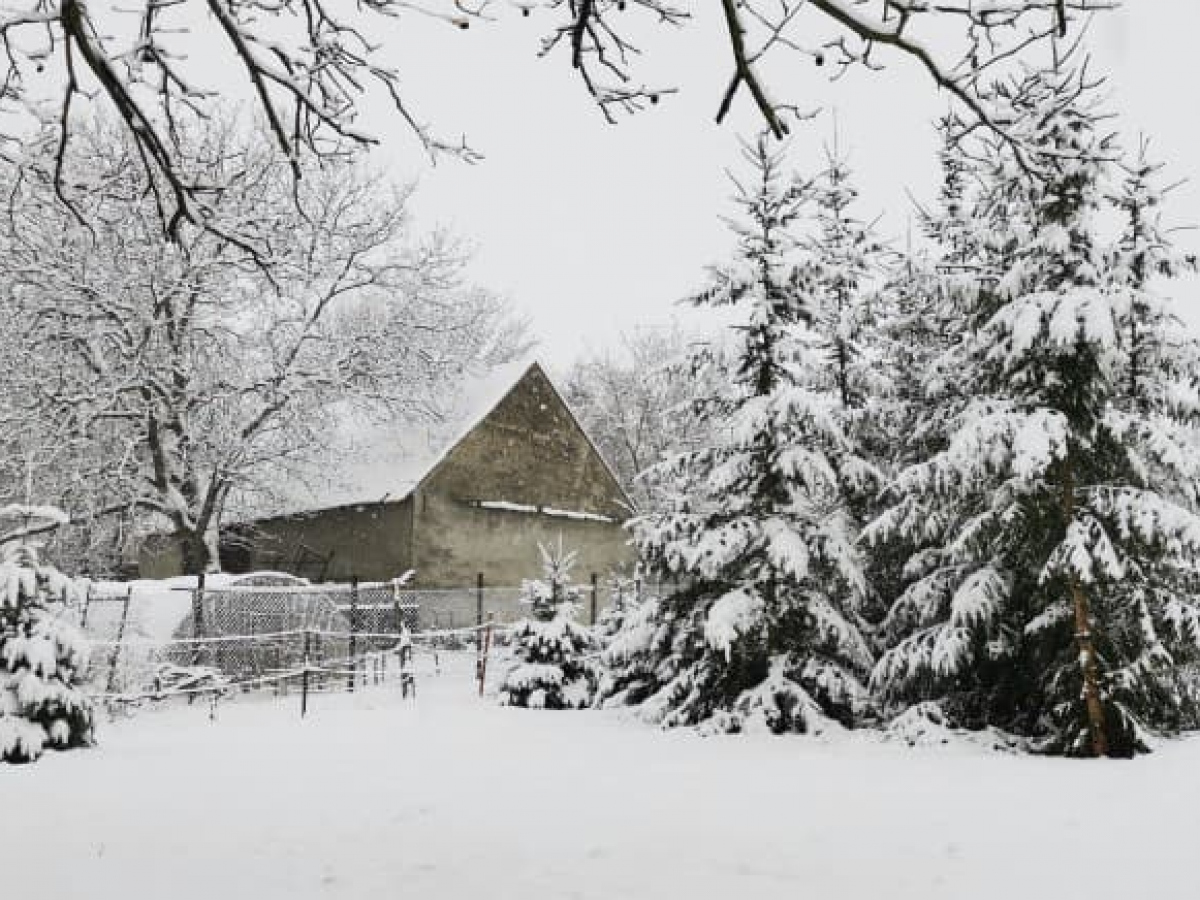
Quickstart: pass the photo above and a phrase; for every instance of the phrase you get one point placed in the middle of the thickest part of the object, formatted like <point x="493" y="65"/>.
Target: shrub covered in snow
<point x="550" y="650"/>
<point x="42" y="660"/>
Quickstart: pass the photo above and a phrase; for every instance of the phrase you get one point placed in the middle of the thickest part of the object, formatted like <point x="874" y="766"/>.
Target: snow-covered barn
<point x="511" y="468"/>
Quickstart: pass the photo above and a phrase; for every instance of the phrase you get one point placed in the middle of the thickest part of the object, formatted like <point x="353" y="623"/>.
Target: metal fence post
<point x="353" y="624"/>
<point x="595" y="594"/>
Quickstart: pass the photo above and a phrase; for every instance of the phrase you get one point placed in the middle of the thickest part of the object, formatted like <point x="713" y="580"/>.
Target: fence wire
<point x="163" y="642"/>
<point x="153" y="640"/>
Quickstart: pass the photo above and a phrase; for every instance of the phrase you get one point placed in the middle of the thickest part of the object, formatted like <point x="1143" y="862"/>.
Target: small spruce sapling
<point x="550" y="649"/>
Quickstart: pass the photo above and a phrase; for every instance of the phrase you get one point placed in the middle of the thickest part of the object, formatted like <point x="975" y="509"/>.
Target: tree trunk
<point x="200" y="551"/>
<point x="1087" y="661"/>
<point x="1083" y="632"/>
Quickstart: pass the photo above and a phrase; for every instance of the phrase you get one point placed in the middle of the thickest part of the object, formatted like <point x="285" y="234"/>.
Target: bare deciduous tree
<point x="636" y="403"/>
<point x="178" y="374"/>
<point x="308" y="64"/>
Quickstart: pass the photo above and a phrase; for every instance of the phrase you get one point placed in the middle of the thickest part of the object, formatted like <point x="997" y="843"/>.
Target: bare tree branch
<point x="309" y="65"/>
<point x="171" y="373"/>
<point x="971" y="38"/>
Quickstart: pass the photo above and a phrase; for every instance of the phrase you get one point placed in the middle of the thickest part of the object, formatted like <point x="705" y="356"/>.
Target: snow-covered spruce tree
<point x="856" y="304"/>
<point x="764" y="631"/>
<point x="550" y="650"/>
<point x="844" y="255"/>
<point x="925" y="313"/>
<point x="1160" y="384"/>
<point x="923" y="317"/>
<point x="1154" y="338"/>
<point x="1052" y="594"/>
<point x="42" y="653"/>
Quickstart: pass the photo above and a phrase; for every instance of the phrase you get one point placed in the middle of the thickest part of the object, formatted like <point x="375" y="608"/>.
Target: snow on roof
<point x="385" y="462"/>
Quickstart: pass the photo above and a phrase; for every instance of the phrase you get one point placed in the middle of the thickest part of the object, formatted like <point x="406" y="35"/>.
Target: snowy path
<point x="456" y="798"/>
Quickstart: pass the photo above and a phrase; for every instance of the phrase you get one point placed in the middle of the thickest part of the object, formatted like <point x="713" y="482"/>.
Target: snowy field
<point x="374" y="797"/>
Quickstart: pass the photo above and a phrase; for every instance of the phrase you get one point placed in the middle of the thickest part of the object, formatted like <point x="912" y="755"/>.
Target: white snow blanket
<point x="452" y="796"/>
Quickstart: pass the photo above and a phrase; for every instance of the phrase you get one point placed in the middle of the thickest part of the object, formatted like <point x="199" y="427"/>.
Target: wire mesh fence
<point x="161" y="639"/>
<point x="152" y="640"/>
<point x="459" y="607"/>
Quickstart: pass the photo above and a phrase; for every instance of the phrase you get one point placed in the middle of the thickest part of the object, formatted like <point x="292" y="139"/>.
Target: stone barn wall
<point x="370" y="540"/>
<point x="456" y="541"/>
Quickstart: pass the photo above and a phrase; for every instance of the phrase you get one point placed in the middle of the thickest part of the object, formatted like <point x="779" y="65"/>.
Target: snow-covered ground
<point x="373" y="797"/>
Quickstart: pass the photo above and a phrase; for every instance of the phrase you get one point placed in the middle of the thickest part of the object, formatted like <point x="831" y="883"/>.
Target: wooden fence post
<point x="408" y="682"/>
<point x="399" y="612"/>
<point x="198" y="617"/>
<point x="304" y="675"/>
<point x="115" y="657"/>
<point x="478" y="611"/>
<point x="353" y="624"/>
<point x="317" y="653"/>
<point x="595" y="595"/>
<point x="486" y="635"/>
<point x="87" y="602"/>
<point x="400" y="628"/>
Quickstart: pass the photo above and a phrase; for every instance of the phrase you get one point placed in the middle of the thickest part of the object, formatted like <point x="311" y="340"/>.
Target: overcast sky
<point x="593" y="228"/>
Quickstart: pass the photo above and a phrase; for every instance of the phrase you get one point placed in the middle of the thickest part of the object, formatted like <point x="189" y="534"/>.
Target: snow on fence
<point x="269" y="631"/>
<point x="154" y="640"/>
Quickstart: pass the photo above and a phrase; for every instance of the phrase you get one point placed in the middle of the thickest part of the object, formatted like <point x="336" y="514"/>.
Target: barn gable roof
<point x="385" y="464"/>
